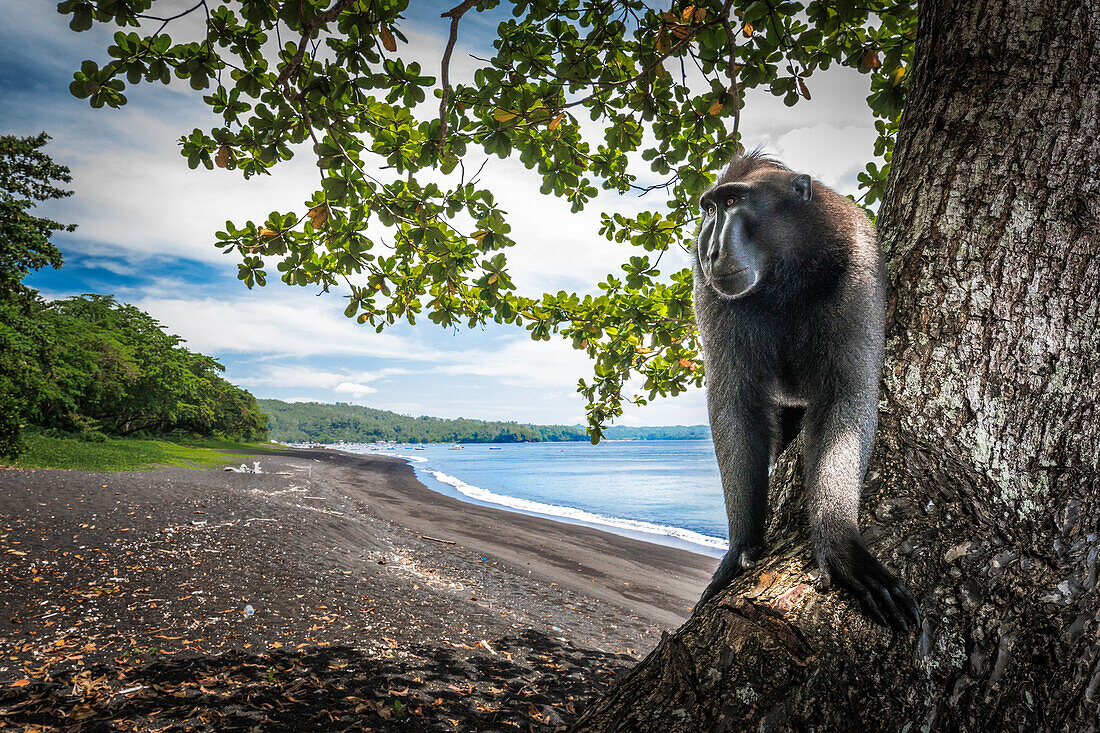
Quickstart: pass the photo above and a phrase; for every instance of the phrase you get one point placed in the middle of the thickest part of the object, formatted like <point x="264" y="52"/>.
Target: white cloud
<point x="837" y="153"/>
<point x="355" y="390"/>
<point x="541" y="375"/>
<point x="523" y="362"/>
<point x="279" y="375"/>
<point x="838" y="99"/>
<point x="688" y="408"/>
<point x="147" y="202"/>
<point x="110" y="265"/>
<point x="287" y="324"/>
<point x="555" y="248"/>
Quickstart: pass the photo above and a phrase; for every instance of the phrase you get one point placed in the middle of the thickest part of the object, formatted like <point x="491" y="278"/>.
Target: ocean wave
<point x="565" y="512"/>
<point x="360" y="448"/>
<point x="414" y="459"/>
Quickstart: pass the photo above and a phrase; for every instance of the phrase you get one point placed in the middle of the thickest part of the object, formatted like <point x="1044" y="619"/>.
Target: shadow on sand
<point x="524" y="682"/>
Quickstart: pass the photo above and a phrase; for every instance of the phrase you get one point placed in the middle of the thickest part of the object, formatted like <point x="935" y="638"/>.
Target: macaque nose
<point x="729" y="240"/>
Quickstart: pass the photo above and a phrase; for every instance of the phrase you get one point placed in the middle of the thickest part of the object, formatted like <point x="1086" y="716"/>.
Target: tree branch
<point x="307" y="31"/>
<point x="455" y="14"/>
<point x="735" y="88"/>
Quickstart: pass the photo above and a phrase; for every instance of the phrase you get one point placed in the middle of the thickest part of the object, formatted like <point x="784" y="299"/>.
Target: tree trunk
<point x="984" y="492"/>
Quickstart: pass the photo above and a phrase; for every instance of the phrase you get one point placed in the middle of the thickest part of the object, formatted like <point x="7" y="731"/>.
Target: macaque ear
<point x="804" y="187"/>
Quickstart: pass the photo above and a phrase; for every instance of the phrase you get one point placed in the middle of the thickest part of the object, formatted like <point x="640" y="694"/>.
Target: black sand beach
<point x="123" y="597"/>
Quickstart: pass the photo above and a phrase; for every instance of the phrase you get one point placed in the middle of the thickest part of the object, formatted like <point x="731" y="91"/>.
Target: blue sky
<point x="146" y="224"/>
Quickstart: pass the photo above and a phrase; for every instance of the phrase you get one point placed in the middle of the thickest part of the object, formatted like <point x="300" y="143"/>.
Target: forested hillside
<point x="323" y="423"/>
<point x="657" y="432"/>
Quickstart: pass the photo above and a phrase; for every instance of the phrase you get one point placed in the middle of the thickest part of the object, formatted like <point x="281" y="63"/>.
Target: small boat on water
<point x="455" y="447"/>
<point x="419" y="447"/>
<point x="494" y="448"/>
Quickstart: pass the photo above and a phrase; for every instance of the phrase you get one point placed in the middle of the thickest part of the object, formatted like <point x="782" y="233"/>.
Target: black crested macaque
<point x="789" y="299"/>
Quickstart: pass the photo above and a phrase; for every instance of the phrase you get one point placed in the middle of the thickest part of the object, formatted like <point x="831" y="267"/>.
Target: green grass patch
<point x="132" y="454"/>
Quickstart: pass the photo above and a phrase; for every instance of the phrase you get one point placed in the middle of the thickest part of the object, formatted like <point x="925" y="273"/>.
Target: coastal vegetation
<point x="67" y="451"/>
<point x="89" y="365"/>
<point x="94" y="367"/>
<point x="322" y="423"/>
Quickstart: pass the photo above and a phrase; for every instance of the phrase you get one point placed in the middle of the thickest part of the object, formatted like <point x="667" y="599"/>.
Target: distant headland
<point x="317" y="422"/>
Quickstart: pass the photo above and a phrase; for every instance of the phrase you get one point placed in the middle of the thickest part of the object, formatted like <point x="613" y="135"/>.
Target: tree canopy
<point x="27" y="176"/>
<point x="590" y="94"/>
<point x="96" y="367"/>
<point x="89" y="364"/>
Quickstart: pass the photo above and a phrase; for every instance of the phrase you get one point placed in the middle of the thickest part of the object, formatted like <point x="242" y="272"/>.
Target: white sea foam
<point x="565" y="512"/>
<point x="360" y="448"/>
<point x="414" y="459"/>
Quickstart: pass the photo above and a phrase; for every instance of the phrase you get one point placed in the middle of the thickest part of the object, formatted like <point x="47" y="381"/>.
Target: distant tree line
<point x="322" y="423"/>
<point x="658" y="432"/>
<point x="316" y="422"/>
<point x="90" y="365"/>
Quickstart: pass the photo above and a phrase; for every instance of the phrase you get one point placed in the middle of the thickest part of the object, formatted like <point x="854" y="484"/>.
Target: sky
<point x="146" y="224"/>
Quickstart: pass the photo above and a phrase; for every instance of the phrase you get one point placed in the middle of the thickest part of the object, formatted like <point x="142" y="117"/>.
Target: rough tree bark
<point x="984" y="492"/>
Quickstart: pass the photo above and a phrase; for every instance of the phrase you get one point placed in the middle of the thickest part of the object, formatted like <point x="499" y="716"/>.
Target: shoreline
<point x="366" y="588"/>
<point x="645" y="531"/>
<point x="561" y="550"/>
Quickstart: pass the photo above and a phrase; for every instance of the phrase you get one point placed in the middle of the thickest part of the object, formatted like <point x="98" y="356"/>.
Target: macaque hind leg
<point x="836" y="449"/>
<point x="742" y="443"/>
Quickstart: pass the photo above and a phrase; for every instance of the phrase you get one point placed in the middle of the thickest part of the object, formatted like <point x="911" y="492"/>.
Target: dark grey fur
<point x="789" y="299"/>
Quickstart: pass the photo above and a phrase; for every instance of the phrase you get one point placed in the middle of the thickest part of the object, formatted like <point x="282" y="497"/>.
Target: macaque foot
<point x="883" y="596"/>
<point x="736" y="561"/>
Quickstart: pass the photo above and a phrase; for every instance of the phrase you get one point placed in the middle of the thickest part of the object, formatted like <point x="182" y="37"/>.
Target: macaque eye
<point x="709" y="209"/>
<point x="730" y="202"/>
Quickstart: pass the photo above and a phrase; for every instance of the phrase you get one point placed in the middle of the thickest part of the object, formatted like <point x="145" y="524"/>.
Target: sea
<point x="663" y="491"/>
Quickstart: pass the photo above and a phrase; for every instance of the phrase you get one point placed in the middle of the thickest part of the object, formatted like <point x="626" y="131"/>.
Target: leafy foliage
<point x="97" y="367"/>
<point x="23" y="346"/>
<point x="590" y="94"/>
<point x="27" y="176"/>
<point x="321" y="423"/>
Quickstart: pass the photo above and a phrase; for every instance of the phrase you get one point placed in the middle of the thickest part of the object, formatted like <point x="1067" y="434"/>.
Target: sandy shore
<point x="131" y="589"/>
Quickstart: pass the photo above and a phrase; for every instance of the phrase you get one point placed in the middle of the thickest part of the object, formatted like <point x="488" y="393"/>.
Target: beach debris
<point x="249" y="611"/>
<point x="319" y="510"/>
<point x="401" y="561"/>
<point x="243" y="468"/>
<point x="436" y="539"/>
<point x="485" y="645"/>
